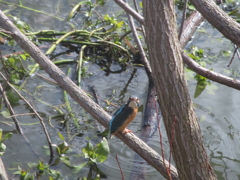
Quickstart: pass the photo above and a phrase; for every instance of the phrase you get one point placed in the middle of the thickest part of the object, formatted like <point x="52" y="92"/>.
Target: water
<point x="217" y="107"/>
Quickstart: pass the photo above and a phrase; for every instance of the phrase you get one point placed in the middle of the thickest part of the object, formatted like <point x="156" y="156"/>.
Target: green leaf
<point x="66" y="160"/>
<point x="61" y="136"/>
<point x="26" y="176"/>
<point x="1" y="135"/>
<point x="76" y="169"/>
<point x="7" y="136"/>
<point x="23" y="57"/>
<point x="11" y="60"/>
<point x="14" y="78"/>
<point x="2" y="149"/>
<point x="100" y="2"/>
<point x="5" y="114"/>
<point x="13" y="98"/>
<point x="120" y="24"/>
<point x="106" y="17"/>
<point x="88" y="150"/>
<point x="226" y="53"/>
<point x="63" y="148"/>
<point x="54" y="174"/>
<point x="57" y="149"/>
<point x="101" y="151"/>
<point x="200" y="88"/>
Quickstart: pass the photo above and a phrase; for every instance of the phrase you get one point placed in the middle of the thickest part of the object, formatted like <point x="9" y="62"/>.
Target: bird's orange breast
<point x="127" y="121"/>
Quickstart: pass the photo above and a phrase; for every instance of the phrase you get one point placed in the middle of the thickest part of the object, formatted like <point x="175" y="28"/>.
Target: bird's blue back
<point x="119" y="117"/>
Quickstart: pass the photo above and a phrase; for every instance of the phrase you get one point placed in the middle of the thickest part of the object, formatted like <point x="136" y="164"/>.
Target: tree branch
<point x="130" y="11"/>
<point x="210" y="74"/>
<point x="219" y="19"/>
<point x="189" y="27"/>
<point x="151" y="156"/>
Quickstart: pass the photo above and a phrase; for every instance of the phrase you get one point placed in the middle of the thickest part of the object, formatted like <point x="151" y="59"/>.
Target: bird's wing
<point x="119" y="118"/>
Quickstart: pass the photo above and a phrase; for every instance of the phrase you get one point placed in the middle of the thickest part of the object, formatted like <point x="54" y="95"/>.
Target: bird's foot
<point x="126" y="130"/>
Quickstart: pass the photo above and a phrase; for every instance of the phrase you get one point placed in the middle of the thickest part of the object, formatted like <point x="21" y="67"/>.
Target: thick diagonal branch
<point x="151" y="156"/>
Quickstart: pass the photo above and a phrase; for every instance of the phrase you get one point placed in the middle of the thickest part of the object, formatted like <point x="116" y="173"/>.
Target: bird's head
<point x="133" y="102"/>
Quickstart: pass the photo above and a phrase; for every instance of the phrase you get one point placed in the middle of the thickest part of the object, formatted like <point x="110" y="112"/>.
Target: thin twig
<point x="124" y="90"/>
<point x="39" y="117"/>
<point x="95" y="94"/>
<point x="119" y="167"/>
<point x="6" y="32"/>
<point x="15" y="115"/>
<point x="235" y="46"/>
<point x="135" y="6"/>
<point x="18" y="127"/>
<point x="79" y="65"/>
<point x="131" y="11"/>
<point x="140" y="48"/>
<point x="142" y="26"/>
<point x="234" y="53"/>
<point x="183" y="19"/>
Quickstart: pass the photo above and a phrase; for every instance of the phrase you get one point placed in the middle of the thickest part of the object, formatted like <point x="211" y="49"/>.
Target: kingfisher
<point x="123" y="116"/>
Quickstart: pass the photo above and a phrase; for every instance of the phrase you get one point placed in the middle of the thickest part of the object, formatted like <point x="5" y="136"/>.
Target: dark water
<point x="217" y="107"/>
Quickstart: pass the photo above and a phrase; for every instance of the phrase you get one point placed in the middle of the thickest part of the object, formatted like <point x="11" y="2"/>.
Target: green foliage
<point x="22" y="26"/>
<point x="100" y="2"/>
<point x="3" y="138"/>
<point x="202" y="82"/>
<point x="201" y="85"/>
<point x="96" y="154"/>
<point x="5" y="114"/>
<point x="42" y="169"/>
<point x="227" y="53"/>
<point x="113" y="21"/>
<point x="195" y="53"/>
<point x="15" y="67"/>
<point x="13" y="97"/>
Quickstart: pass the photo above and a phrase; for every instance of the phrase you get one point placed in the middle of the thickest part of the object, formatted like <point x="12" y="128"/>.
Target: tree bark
<point x="177" y="108"/>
